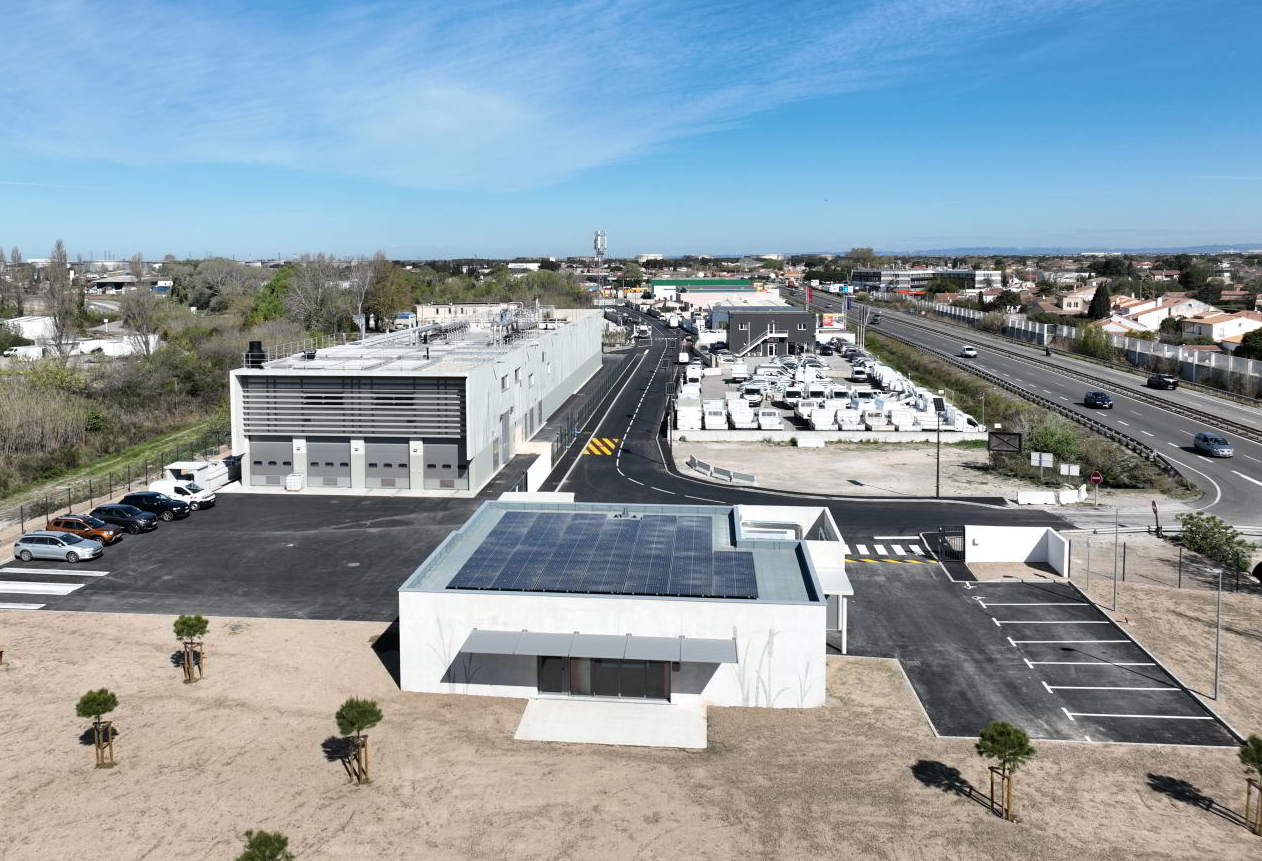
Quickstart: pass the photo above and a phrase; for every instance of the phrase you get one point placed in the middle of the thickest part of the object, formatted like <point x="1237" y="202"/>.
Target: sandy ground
<point x="875" y="469"/>
<point x="862" y="778"/>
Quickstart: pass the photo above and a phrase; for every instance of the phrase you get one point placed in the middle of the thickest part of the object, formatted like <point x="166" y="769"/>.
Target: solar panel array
<point x="655" y="554"/>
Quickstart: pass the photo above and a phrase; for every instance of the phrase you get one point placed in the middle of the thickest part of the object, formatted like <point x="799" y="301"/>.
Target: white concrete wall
<point x="1016" y="544"/>
<point x="781" y="647"/>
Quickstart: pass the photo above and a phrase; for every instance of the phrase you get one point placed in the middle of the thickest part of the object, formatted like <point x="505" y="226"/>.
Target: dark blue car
<point x="1098" y="400"/>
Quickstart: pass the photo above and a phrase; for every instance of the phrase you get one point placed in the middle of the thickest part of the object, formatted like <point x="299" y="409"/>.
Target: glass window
<point x="605" y="677"/>
<point x="580" y="677"/>
<point x="343" y="464"/>
<point x="551" y="675"/>
<point x="632" y="681"/>
<point x="372" y="466"/>
<point x="657" y="680"/>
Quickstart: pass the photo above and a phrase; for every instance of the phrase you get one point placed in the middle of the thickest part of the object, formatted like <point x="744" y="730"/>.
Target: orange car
<point x="86" y="526"/>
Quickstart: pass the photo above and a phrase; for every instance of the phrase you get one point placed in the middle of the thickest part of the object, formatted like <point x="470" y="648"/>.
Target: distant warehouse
<point x="765" y="331"/>
<point x="439" y="407"/>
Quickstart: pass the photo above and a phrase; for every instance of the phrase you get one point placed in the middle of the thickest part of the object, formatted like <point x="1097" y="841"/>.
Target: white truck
<point x="186" y="491"/>
<point x="403" y="320"/>
<point x="673" y="321"/>
<point x="210" y="474"/>
<point x="643" y="331"/>
<point x="30" y="351"/>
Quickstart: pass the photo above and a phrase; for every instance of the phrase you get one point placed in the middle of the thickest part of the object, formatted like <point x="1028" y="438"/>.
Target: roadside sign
<point x="1042" y="458"/>
<point x="1069" y="469"/>
<point x="1010" y="442"/>
<point x="1097" y="477"/>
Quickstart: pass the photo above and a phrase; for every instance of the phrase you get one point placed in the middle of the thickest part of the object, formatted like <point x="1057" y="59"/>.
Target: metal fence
<point x="570" y="424"/>
<point x="133" y="475"/>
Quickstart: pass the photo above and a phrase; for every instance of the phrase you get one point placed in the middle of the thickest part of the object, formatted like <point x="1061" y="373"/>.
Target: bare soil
<point x="862" y="778"/>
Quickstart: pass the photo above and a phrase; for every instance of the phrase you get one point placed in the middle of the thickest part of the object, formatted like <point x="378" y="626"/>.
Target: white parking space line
<point x="915" y="548"/>
<point x="1040" y="604"/>
<point x="13" y="587"/>
<point x="55" y="572"/>
<point x="862" y="548"/>
<point x="1096" y="663"/>
<point x="898" y="549"/>
<point x="1104" y="688"/>
<point x="1066" y="641"/>
<point x="895" y="537"/>
<point x="4" y="606"/>
<point x="1073" y="715"/>
<point x="1058" y="622"/>
<point x="1247" y="477"/>
<point x="879" y="548"/>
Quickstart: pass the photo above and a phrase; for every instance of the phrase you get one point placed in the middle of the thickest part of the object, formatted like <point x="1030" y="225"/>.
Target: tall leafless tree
<point x="360" y="278"/>
<point x="136" y="268"/>
<point x="63" y="301"/>
<point x="315" y="300"/>
<point x="143" y="315"/>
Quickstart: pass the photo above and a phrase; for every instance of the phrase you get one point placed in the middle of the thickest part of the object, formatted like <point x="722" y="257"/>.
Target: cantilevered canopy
<point x="698" y="650"/>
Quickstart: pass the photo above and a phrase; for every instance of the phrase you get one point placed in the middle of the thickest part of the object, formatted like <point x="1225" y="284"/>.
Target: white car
<point x="967" y="352"/>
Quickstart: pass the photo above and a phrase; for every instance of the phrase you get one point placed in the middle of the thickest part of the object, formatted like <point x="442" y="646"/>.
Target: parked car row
<point x="78" y="537"/>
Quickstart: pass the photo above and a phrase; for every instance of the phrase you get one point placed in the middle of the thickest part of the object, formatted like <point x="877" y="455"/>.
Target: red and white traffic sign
<point x="1097" y="477"/>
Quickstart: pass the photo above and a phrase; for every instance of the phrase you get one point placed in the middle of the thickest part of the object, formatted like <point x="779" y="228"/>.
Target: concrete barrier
<point x="1028" y="544"/>
<point x="729" y="475"/>
<point x="799" y="436"/>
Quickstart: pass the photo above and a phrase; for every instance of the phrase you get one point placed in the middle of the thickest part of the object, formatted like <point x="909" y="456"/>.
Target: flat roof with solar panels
<point x="604" y="549"/>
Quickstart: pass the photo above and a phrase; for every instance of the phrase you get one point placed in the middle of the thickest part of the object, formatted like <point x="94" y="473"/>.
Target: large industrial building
<point x="716" y="605"/>
<point x="917" y="279"/>
<point x="438" y="408"/>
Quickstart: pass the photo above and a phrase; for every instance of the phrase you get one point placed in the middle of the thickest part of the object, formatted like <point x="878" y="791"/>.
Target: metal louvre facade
<point x="354" y="407"/>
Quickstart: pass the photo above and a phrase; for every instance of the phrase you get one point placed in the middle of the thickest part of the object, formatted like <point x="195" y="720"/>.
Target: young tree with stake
<point x="190" y="630"/>
<point x="266" y="846"/>
<point x="1251" y="759"/>
<point x="356" y="716"/>
<point x="94" y="704"/>
<point x="1011" y="747"/>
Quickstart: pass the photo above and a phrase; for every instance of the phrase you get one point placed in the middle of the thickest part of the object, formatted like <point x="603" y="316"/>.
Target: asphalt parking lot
<point x="298" y="557"/>
<point x="1036" y="655"/>
<point x="1108" y="686"/>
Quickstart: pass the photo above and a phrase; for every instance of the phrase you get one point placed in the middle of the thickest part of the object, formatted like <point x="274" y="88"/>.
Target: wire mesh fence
<point x="98" y="489"/>
<point x="1148" y="560"/>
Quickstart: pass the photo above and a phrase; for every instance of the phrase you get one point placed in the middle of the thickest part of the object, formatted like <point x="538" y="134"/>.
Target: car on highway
<point x="64" y="546"/>
<point x="86" y="526"/>
<point x="1213" y="444"/>
<point x="129" y="517"/>
<point x="1097" y="400"/>
<point x="967" y="352"/>
<point x="1163" y="381"/>
<point x="158" y="503"/>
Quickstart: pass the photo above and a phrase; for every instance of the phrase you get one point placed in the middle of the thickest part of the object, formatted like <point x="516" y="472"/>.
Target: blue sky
<point x="502" y="128"/>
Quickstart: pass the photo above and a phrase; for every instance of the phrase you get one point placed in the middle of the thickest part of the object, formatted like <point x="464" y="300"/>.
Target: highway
<point x="1231" y="487"/>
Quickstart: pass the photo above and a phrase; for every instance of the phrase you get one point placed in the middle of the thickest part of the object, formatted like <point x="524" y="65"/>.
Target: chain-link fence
<point x="570" y="424"/>
<point x="99" y="489"/>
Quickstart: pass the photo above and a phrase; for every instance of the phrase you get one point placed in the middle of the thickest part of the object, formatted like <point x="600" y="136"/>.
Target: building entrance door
<point x="605" y="677"/>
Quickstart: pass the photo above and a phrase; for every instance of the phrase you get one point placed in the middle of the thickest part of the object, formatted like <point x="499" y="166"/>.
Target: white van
<point x="186" y="491"/>
<point x="210" y="474"/>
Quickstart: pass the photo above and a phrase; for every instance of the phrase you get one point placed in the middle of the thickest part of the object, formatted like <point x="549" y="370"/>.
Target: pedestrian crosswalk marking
<point x="15" y="587"/>
<point x="602" y="445"/>
<point x="897" y="548"/>
<point x="862" y="548"/>
<point x="915" y="548"/>
<point x="895" y="561"/>
<point x="879" y="548"/>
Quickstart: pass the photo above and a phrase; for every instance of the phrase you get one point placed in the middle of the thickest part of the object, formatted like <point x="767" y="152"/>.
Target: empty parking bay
<point x="1104" y="684"/>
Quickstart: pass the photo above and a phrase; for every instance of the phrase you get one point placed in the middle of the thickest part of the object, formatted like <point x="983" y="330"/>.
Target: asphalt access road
<point x="637" y="471"/>
<point x="1037" y="655"/>
<point x="295" y="557"/>
<point x="1232" y="487"/>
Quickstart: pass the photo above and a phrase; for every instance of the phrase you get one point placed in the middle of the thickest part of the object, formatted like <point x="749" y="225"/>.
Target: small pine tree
<point x="1101" y="305"/>
<point x="1011" y="747"/>
<point x="93" y="704"/>
<point x="355" y="716"/>
<point x="266" y="846"/>
<point x="1251" y="756"/>
<point x="190" y="628"/>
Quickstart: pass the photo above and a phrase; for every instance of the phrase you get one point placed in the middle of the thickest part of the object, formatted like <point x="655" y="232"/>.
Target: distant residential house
<point x="1220" y="328"/>
<point x="1057" y="277"/>
<point x="1045" y="306"/>
<point x="1164" y="274"/>
<point x="1149" y="313"/>
<point x="1235" y="297"/>
<point x="1076" y="301"/>
<point x="1116" y="325"/>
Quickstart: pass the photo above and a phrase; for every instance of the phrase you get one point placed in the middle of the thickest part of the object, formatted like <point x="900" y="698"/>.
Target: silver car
<point x="64" y="546"/>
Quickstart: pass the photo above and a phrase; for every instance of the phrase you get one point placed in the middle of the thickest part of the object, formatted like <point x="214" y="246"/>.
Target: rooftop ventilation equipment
<point x="255" y="356"/>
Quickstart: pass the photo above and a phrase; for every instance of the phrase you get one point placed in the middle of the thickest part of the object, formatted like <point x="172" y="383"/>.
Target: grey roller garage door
<point x="445" y="465"/>
<point x="271" y="459"/>
<point x="328" y="462"/>
<point x="386" y="463"/>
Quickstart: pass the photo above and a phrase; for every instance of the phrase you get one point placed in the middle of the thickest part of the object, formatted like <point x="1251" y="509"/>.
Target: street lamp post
<point x="939" y="408"/>
<point x="1218" y="635"/>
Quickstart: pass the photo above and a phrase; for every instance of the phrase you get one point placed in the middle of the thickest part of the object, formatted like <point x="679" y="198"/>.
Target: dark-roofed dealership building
<point x="722" y="605"/>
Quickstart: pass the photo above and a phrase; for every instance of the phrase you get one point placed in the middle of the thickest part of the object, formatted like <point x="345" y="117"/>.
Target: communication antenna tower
<point x="599" y="245"/>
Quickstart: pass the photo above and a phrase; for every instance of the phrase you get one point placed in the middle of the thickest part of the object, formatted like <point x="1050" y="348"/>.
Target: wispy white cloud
<point x="485" y="94"/>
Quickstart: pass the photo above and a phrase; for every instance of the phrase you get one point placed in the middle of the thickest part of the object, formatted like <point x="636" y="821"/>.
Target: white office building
<point x="438" y="408"/>
<point x="916" y="279"/>
<point x="703" y="605"/>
